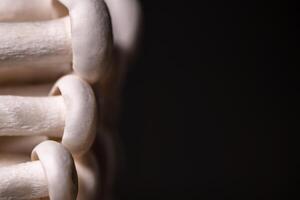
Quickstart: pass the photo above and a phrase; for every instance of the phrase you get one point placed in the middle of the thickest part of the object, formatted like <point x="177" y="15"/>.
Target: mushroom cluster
<point x="62" y="65"/>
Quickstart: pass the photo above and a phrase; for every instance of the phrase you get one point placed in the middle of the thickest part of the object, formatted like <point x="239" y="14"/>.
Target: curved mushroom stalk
<point x="43" y="177"/>
<point x="70" y="116"/>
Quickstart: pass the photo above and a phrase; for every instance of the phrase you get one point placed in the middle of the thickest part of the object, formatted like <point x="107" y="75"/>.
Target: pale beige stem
<point x="23" y="116"/>
<point x="125" y="14"/>
<point x="27" y="48"/>
<point x="23" y="181"/>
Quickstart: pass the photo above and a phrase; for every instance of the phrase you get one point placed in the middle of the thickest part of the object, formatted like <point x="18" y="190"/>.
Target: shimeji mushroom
<point x="43" y="176"/>
<point x="56" y="23"/>
<point x="69" y="115"/>
<point x="90" y="37"/>
<point x="87" y="169"/>
<point x="83" y="40"/>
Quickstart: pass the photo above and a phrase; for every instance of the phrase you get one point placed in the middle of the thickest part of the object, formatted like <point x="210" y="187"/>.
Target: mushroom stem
<point x="23" y="116"/>
<point x="23" y="181"/>
<point x="26" y="47"/>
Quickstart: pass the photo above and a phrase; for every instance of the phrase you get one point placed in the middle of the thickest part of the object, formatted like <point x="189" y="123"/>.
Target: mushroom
<point x="125" y="14"/>
<point x="86" y="166"/>
<point x="70" y="114"/>
<point x="83" y="40"/>
<point x="126" y="21"/>
<point x="43" y="176"/>
<point x="85" y="43"/>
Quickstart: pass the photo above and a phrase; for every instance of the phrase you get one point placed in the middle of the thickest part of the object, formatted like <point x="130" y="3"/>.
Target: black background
<point x="207" y="107"/>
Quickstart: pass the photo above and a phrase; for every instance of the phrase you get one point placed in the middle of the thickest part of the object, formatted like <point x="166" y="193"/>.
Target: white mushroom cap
<point x="51" y="173"/>
<point x="80" y="118"/>
<point x="59" y="168"/>
<point x="70" y="115"/>
<point x="91" y="37"/>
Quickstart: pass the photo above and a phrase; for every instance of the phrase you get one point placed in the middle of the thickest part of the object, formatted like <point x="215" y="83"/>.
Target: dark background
<point x="207" y="107"/>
